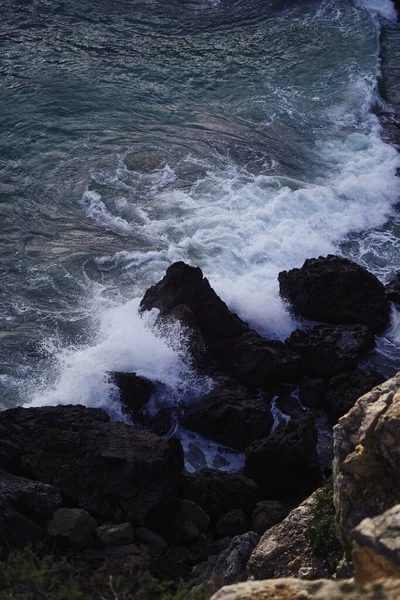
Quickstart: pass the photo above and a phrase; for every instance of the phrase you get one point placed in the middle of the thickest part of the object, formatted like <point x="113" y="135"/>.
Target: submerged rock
<point x="239" y="350"/>
<point x="327" y="350"/>
<point x="336" y="290"/>
<point x="228" y="414"/>
<point x="285" y="464"/>
<point x="367" y="458"/>
<point x="101" y="466"/>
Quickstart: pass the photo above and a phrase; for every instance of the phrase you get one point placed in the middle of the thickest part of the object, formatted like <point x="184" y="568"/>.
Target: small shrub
<point x="322" y="533"/>
<point x="26" y="576"/>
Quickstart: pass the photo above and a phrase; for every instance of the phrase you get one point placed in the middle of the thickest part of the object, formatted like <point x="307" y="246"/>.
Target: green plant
<point x="322" y="533"/>
<point x="26" y="576"/>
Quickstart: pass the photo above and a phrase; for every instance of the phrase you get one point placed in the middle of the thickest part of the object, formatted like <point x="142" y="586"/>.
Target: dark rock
<point x="220" y="545"/>
<point x="25" y="509"/>
<point x="285" y="465"/>
<point x="238" y="349"/>
<point x="172" y="522"/>
<point x="199" y="549"/>
<point x="115" y="535"/>
<point x="235" y="522"/>
<point x="229" y="415"/>
<point x="328" y="350"/>
<point x="154" y="543"/>
<point x="101" y="466"/>
<point x="193" y="511"/>
<point x="72" y="525"/>
<point x="392" y="290"/>
<point x="336" y="290"/>
<point x="174" y="565"/>
<point x="124" y="550"/>
<point x="344" y="390"/>
<point x="217" y="492"/>
<point x="231" y="563"/>
<point x="135" y="391"/>
<point x="267" y="514"/>
<point x="312" y="392"/>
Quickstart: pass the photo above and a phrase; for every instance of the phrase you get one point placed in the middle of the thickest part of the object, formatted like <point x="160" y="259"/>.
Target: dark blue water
<point x="236" y="135"/>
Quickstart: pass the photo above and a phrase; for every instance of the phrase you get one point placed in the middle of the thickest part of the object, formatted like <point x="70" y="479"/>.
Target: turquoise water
<point x="238" y="136"/>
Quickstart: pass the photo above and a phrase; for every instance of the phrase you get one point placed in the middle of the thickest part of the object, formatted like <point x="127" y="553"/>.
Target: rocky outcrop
<point x="134" y="391"/>
<point x="376" y="547"/>
<point x="285" y="464"/>
<point x="367" y="458"/>
<point x="228" y="414"/>
<point x="239" y="350"/>
<point x="343" y="391"/>
<point x="296" y="589"/>
<point x="327" y="350"/>
<point x="100" y="466"/>
<point x="217" y="492"/>
<point x="26" y="506"/>
<point x="285" y="548"/>
<point x="336" y="290"/>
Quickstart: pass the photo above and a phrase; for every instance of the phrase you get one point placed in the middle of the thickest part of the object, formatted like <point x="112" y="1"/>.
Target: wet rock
<point x="336" y="290"/>
<point x="235" y="522"/>
<point x="115" y="535"/>
<point x="312" y="392"/>
<point x="367" y="458"/>
<point x="217" y="492"/>
<point x="25" y="508"/>
<point x="298" y="589"/>
<point x="285" y="464"/>
<point x="102" y="466"/>
<point x="285" y="547"/>
<point x="135" y="391"/>
<point x="267" y="514"/>
<point x="154" y="543"/>
<point x="392" y="290"/>
<point x="72" y="525"/>
<point x="231" y="563"/>
<point x="144" y="161"/>
<point x="328" y="350"/>
<point x="239" y="350"/>
<point x="229" y="415"/>
<point x="344" y="390"/>
<point x="376" y="547"/>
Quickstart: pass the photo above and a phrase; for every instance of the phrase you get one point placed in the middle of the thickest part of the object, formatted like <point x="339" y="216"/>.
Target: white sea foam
<point x="383" y="8"/>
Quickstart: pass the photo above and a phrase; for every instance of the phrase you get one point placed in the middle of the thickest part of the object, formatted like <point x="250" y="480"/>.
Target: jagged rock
<point x="267" y="514"/>
<point x="392" y="290"/>
<point x="336" y="290"/>
<point x="102" y="466"/>
<point x="115" y="535"/>
<point x="231" y="563"/>
<point x="298" y="589"/>
<point x="233" y="523"/>
<point x="344" y="389"/>
<point x="135" y="391"/>
<point x="312" y="392"/>
<point x="239" y="350"/>
<point x="217" y="492"/>
<point x="376" y="547"/>
<point x="229" y="415"/>
<point x="72" y="525"/>
<point x="154" y="543"/>
<point x="285" y="464"/>
<point x="285" y="547"/>
<point x="25" y="509"/>
<point x="367" y="457"/>
<point x="327" y="350"/>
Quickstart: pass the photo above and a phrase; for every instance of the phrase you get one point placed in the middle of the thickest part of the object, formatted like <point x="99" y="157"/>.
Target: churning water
<point x="237" y="135"/>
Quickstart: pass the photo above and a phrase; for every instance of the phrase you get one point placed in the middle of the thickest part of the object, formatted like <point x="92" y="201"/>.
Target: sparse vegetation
<point x="322" y="532"/>
<point x="27" y="576"/>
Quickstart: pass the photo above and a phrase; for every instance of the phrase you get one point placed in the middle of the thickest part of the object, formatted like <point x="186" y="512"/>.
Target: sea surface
<point x="242" y="136"/>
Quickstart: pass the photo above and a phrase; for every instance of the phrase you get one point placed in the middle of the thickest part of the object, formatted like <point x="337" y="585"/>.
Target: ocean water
<point x="238" y="135"/>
